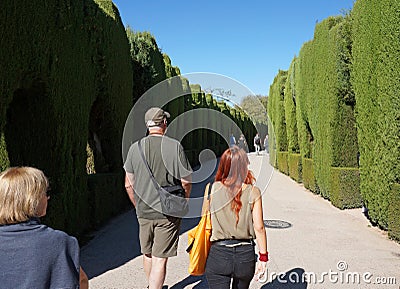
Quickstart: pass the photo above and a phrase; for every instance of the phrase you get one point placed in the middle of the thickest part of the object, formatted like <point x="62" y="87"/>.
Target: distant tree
<point x="255" y="107"/>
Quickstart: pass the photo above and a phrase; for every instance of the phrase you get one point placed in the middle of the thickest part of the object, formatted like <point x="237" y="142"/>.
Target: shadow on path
<point x="190" y="280"/>
<point x="292" y="279"/>
<point x="114" y="245"/>
<point x="118" y="241"/>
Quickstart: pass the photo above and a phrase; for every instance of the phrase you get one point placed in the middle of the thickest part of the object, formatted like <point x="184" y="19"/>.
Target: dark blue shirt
<point x="35" y="256"/>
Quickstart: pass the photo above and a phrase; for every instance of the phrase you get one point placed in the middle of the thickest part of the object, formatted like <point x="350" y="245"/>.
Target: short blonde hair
<point x="21" y="189"/>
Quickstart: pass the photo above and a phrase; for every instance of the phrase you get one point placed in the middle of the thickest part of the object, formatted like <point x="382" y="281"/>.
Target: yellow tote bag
<point x="199" y="241"/>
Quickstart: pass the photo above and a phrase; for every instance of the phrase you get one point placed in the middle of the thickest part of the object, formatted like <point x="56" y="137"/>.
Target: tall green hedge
<point x="59" y="72"/>
<point x="276" y="114"/>
<point x="148" y="62"/>
<point x="394" y="212"/>
<point x="335" y="117"/>
<point x="294" y="163"/>
<point x="347" y="103"/>
<point x="325" y="101"/>
<point x="304" y="87"/>
<point x="290" y="109"/>
<point x="376" y="82"/>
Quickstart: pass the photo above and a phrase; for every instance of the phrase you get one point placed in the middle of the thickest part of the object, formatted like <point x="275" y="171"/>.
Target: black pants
<point x="225" y="263"/>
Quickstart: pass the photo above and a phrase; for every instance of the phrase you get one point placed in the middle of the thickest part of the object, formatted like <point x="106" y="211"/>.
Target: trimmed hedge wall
<point x="333" y="109"/>
<point x="394" y="212"/>
<point x="276" y="114"/>
<point x="107" y="196"/>
<point x="308" y="175"/>
<point x="376" y="82"/>
<point x="66" y="74"/>
<point x="304" y="82"/>
<point x="345" y="188"/>
<point x="290" y="109"/>
<point x="283" y="162"/>
<point x="347" y="102"/>
<point x="295" y="167"/>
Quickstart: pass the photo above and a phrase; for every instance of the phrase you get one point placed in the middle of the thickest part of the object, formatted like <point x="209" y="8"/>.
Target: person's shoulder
<point x="60" y="237"/>
<point x="255" y="193"/>
<point x="133" y="146"/>
<point x="171" y="141"/>
<point x="217" y="185"/>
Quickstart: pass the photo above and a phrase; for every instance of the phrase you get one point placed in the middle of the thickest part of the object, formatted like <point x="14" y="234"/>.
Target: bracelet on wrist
<point x="263" y="257"/>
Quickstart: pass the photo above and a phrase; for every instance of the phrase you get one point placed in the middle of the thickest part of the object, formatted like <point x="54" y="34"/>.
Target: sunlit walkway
<point x="307" y="237"/>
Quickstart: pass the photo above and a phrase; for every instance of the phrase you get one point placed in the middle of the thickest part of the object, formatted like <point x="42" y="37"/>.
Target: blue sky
<point x="246" y="41"/>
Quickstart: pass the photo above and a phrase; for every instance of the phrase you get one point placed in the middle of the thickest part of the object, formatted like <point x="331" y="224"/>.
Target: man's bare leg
<point x="158" y="272"/>
<point x="147" y="265"/>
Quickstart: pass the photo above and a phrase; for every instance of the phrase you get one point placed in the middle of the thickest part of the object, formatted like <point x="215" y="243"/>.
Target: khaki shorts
<point x="160" y="237"/>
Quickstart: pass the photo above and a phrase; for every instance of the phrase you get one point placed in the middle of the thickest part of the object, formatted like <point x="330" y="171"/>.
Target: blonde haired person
<point x="32" y="254"/>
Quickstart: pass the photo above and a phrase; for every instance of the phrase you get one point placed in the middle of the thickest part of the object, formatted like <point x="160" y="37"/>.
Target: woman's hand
<point x="261" y="273"/>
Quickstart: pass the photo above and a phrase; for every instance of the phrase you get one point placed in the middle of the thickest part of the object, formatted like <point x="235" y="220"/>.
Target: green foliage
<point x="107" y="196"/>
<point x="170" y="71"/>
<point x="345" y="188"/>
<point x="283" y="162"/>
<point x="308" y="175"/>
<point x="4" y="161"/>
<point x="304" y="87"/>
<point x="394" y="212"/>
<point x="290" y="109"/>
<point x="255" y="109"/>
<point x="61" y="67"/>
<point x="324" y="108"/>
<point x="272" y="144"/>
<point x="295" y="167"/>
<point x="376" y="81"/>
<point x="276" y="115"/>
<point x="147" y="61"/>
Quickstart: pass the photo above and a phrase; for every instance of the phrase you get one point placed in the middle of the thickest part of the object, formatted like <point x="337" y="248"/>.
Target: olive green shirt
<point x="223" y="218"/>
<point x="167" y="161"/>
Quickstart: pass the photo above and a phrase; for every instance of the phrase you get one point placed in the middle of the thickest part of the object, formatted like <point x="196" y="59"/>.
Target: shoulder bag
<point x="173" y="201"/>
<point x="199" y="240"/>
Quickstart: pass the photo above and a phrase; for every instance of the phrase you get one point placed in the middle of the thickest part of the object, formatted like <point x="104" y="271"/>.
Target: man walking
<point x="165" y="156"/>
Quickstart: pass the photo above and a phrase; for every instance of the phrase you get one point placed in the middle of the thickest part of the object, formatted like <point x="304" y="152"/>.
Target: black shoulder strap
<point x="209" y="191"/>
<point x="156" y="185"/>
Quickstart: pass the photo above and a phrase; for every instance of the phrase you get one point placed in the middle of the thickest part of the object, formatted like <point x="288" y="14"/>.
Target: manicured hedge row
<point x="276" y="117"/>
<point x="332" y="115"/>
<point x="107" y="196"/>
<point x="66" y="77"/>
<point x="304" y="86"/>
<point x="283" y="162"/>
<point x="295" y="167"/>
<point x="394" y="212"/>
<point x="290" y="109"/>
<point x="345" y="86"/>
<point x="345" y="188"/>
<point x="376" y="82"/>
<point x="308" y="175"/>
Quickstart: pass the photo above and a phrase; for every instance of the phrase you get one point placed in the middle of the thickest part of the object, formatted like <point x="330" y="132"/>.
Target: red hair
<point x="233" y="172"/>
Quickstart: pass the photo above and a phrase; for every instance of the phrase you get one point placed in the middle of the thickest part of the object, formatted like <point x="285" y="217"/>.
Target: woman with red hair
<point x="237" y="219"/>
